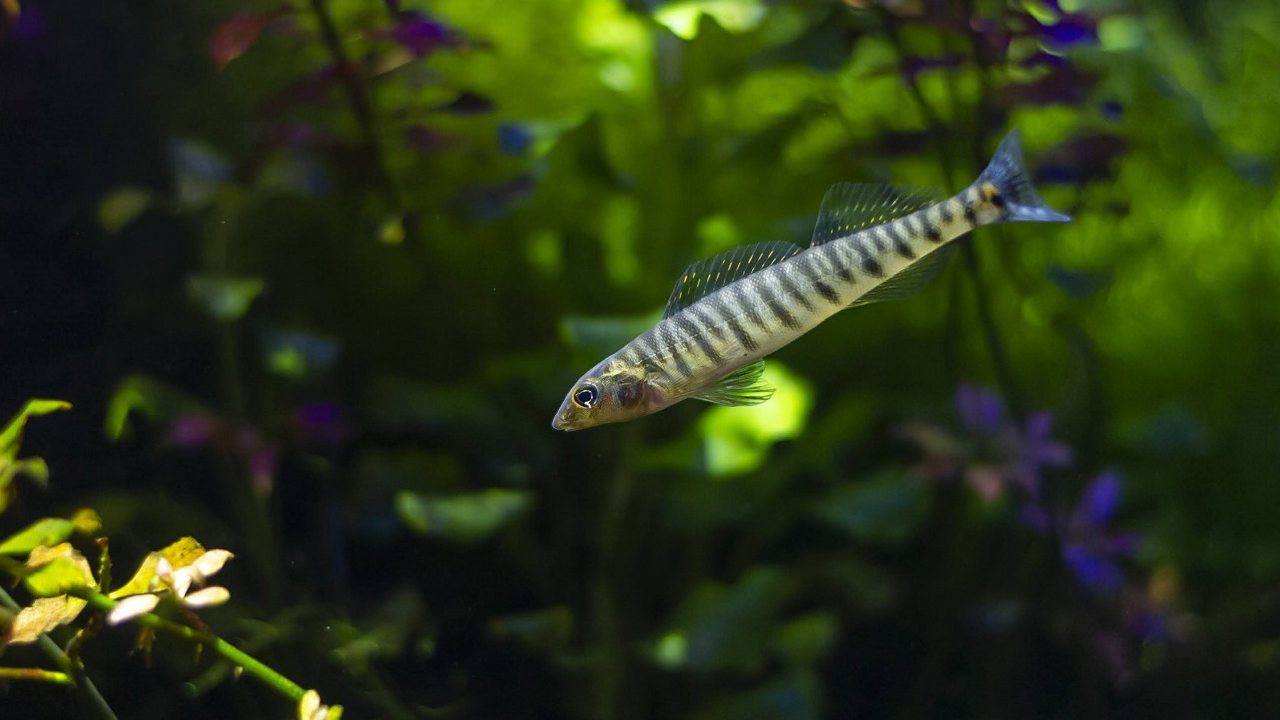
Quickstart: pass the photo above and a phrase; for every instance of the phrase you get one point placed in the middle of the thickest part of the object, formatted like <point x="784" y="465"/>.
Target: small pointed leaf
<point x="49" y="531"/>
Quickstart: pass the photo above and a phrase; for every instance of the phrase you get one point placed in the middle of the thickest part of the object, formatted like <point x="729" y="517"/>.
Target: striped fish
<point x="871" y="243"/>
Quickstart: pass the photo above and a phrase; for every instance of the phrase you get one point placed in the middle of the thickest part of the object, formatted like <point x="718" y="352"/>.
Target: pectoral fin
<point x="740" y="387"/>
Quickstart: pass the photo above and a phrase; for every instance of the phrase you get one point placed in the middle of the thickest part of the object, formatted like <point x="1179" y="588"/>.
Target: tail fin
<point x="1009" y="174"/>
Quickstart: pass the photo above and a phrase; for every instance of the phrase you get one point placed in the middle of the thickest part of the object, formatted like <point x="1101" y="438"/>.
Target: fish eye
<point x="585" y="396"/>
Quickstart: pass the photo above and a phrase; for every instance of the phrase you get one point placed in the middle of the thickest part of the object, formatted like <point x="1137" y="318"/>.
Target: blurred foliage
<point x="323" y="271"/>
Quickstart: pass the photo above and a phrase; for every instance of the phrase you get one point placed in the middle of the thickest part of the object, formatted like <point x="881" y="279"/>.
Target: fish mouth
<point x="561" y="423"/>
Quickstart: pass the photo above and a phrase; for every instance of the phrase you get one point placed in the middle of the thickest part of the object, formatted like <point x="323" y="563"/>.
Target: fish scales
<point x="711" y="347"/>
<point x="789" y="287"/>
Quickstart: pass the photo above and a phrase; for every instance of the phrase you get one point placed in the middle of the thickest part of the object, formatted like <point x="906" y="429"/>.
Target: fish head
<point x="610" y="392"/>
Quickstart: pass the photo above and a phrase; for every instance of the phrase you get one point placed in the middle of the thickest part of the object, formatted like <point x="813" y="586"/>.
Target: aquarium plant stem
<point x="71" y="670"/>
<point x="36" y="674"/>
<point x="233" y="654"/>
<point x="358" y="96"/>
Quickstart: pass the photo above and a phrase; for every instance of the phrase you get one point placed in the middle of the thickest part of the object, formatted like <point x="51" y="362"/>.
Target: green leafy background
<point x="319" y="310"/>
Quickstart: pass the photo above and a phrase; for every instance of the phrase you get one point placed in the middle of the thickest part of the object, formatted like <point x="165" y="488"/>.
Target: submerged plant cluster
<point x="316" y="274"/>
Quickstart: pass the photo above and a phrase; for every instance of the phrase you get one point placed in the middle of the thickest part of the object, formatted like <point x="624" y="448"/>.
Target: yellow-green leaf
<point x="122" y="207"/>
<point x="33" y="468"/>
<point x="179" y="554"/>
<point x="463" y="518"/>
<point x="86" y="521"/>
<point x="11" y="435"/>
<point x="57" y="570"/>
<point x="48" y="531"/>
<point x="43" y="615"/>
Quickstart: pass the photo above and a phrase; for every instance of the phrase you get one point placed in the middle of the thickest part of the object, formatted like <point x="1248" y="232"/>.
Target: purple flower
<point x="321" y="423"/>
<point x="980" y="409"/>
<point x="1090" y="548"/>
<point x="1032" y="449"/>
<point x="419" y="35"/>
<point x="997" y="452"/>
<point x="192" y="431"/>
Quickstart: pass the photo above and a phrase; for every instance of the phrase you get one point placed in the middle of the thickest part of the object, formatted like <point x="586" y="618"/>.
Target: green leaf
<point x="147" y="397"/>
<point x="49" y="531"/>
<point x="805" y="640"/>
<point x="56" y="570"/>
<point x="179" y="555"/>
<point x="224" y="297"/>
<point x="11" y="436"/>
<point x="682" y="17"/>
<point x="121" y="207"/>
<point x="794" y="696"/>
<point x="725" y="627"/>
<point x="887" y="508"/>
<point x="34" y="468"/>
<point x="461" y="518"/>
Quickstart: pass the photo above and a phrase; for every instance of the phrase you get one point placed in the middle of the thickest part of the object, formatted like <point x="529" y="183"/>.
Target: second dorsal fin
<point x="707" y="276"/>
<point x="850" y="207"/>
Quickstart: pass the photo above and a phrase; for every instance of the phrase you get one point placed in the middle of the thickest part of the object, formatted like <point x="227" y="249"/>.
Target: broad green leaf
<point x="11" y="435"/>
<point x="886" y="508"/>
<point x="41" y="616"/>
<point x="682" y="17"/>
<point x="56" y="570"/>
<point x="462" y="518"/>
<point x="725" y="627"/>
<point x="48" y="532"/>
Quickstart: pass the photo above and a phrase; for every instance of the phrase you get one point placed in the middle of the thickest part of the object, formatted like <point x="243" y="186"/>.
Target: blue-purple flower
<point x="994" y="452"/>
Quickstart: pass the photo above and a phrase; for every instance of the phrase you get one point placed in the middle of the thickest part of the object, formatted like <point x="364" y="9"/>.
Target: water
<point x="314" y="280"/>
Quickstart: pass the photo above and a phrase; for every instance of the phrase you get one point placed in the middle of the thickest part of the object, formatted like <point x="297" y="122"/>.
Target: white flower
<point x="178" y="583"/>
<point x="309" y="708"/>
<point x="131" y="607"/>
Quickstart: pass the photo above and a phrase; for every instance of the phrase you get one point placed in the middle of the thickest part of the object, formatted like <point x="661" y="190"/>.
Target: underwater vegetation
<point x="289" y="290"/>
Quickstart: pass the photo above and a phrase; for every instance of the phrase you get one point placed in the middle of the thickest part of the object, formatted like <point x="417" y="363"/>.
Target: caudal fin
<point x="1009" y="174"/>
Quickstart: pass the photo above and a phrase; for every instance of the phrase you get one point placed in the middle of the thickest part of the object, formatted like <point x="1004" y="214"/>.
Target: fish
<point x="871" y="242"/>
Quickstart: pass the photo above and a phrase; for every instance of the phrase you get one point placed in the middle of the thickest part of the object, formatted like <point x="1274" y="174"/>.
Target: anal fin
<point x="912" y="280"/>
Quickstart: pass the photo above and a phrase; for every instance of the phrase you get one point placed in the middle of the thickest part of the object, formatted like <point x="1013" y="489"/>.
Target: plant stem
<point x="358" y="96"/>
<point x="38" y="674"/>
<point x="235" y="655"/>
<point x="71" y="669"/>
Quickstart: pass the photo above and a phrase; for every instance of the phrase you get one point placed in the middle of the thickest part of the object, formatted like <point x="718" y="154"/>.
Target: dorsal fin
<point x="909" y="281"/>
<point x="740" y="387"/>
<point x="850" y="207"/>
<point x="707" y="276"/>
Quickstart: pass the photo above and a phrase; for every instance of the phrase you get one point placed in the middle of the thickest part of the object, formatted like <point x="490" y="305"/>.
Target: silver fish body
<point x="709" y="345"/>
